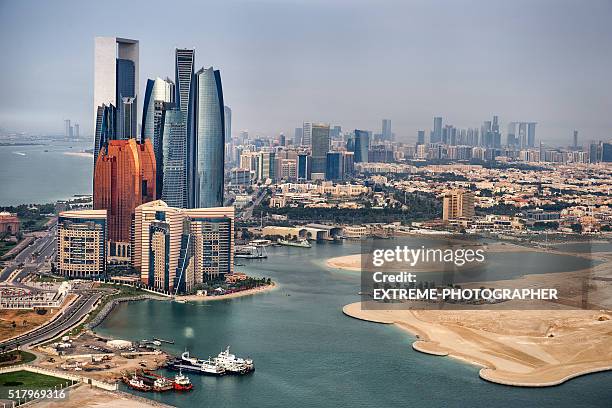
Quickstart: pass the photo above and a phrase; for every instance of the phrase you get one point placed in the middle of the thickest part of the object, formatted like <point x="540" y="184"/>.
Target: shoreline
<point x="247" y="292"/>
<point x="525" y="359"/>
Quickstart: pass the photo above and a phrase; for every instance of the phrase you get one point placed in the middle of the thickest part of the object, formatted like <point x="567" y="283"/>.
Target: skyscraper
<point x="106" y="118"/>
<point x="210" y="139"/>
<point x="67" y="129"/>
<point x="115" y="77"/>
<point x="335" y="166"/>
<point x="174" y="157"/>
<point x="228" y="123"/>
<point x="436" y="135"/>
<point x="297" y="136"/>
<point x="185" y="101"/>
<point x="575" y="139"/>
<point x="420" y="137"/>
<point x="531" y="136"/>
<point x="76" y="132"/>
<point x="386" y="130"/>
<point x="362" y="146"/>
<point x="124" y="178"/>
<point x="306" y="133"/>
<point x="159" y="97"/>
<point x="320" y="147"/>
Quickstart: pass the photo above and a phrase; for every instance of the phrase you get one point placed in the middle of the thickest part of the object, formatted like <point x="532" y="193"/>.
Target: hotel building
<point x="124" y="178"/>
<point x="175" y="248"/>
<point x="81" y="243"/>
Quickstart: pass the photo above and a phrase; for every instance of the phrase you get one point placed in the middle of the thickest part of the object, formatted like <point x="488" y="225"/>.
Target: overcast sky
<point x="350" y="63"/>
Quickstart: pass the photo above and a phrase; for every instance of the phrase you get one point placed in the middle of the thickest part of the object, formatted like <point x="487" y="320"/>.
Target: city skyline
<point x="513" y="71"/>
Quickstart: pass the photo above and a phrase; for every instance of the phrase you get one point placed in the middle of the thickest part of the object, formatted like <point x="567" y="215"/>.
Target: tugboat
<point x="162" y="384"/>
<point x="207" y="367"/>
<point x="181" y="382"/>
<point x="233" y="364"/>
<point x="136" y="383"/>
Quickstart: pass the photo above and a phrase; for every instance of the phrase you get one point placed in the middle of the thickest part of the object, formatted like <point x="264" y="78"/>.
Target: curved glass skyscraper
<point x="210" y="139"/>
<point x="159" y="96"/>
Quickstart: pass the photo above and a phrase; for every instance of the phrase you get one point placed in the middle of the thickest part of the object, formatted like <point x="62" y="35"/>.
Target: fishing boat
<point x="137" y="383"/>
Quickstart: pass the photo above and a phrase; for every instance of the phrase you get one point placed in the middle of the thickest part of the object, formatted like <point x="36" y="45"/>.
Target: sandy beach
<point x="522" y="348"/>
<point x="248" y="292"/>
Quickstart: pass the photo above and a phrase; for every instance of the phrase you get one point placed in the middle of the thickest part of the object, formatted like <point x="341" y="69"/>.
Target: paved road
<point x="44" y="247"/>
<point x="248" y="213"/>
<point x="70" y="316"/>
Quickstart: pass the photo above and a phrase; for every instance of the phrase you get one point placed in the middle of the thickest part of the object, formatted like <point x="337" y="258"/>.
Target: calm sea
<point x="45" y="173"/>
<point x="308" y="354"/>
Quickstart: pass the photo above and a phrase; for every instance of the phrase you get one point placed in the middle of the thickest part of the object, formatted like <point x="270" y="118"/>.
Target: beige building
<point x="81" y="243"/>
<point x="458" y="204"/>
<point x="175" y="248"/>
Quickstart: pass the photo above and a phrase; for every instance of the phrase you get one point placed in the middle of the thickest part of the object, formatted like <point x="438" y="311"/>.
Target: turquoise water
<point x="308" y="354"/>
<point x="29" y="175"/>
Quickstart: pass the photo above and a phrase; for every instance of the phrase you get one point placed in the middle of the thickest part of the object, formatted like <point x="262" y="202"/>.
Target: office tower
<point x="210" y="139"/>
<point x="386" y="133"/>
<point x="606" y="152"/>
<point x="281" y="140"/>
<point x="297" y="136"/>
<point x="185" y="102"/>
<point x="304" y="167"/>
<point x="335" y="132"/>
<point x="174" y="157"/>
<point x="575" y="139"/>
<point x="436" y="135"/>
<point x="458" y="204"/>
<point x="307" y="133"/>
<point x="227" y="114"/>
<point x="159" y="97"/>
<point x="362" y="146"/>
<point x="77" y="130"/>
<point x="67" y="129"/>
<point x="124" y="178"/>
<point x="81" y="243"/>
<point x="287" y="169"/>
<point x="522" y="135"/>
<point x="420" y="137"/>
<point x="266" y="166"/>
<point x="176" y="249"/>
<point x="320" y="147"/>
<point x="531" y="137"/>
<point x="511" y="139"/>
<point x="335" y="166"/>
<point x="115" y="78"/>
<point x="349" y="163"/>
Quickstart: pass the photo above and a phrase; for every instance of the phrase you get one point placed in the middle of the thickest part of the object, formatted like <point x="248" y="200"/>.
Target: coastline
<point x="247" y="292"/>
<point x="511" y="347"/>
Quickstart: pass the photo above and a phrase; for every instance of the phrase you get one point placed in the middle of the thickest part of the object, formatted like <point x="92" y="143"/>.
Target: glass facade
<point x="362" y="146"/>
<point x="174" y="158"/>
<point x="126" y="88"/>
<point x="320" y="147"/>
<point x="184" y="64"/>
<point x="210" y="139"/>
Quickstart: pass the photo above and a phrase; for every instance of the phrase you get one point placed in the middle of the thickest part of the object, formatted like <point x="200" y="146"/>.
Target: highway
<point x="70" y="317"/>
<point x="44" y="247"/>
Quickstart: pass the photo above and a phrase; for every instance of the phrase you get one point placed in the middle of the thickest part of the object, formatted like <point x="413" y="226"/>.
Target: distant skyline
<point x="349" y="63"/>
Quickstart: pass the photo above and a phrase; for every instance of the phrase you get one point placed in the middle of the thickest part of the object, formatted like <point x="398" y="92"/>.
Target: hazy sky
<point x="350" y="63"/>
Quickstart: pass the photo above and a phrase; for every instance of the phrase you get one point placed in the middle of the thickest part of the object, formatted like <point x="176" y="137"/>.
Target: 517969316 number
<point x="37" y="394"/>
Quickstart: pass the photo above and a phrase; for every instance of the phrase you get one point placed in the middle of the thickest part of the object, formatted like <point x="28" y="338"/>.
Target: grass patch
<point x="16" y="357"/>
<point x="25" y="380"/>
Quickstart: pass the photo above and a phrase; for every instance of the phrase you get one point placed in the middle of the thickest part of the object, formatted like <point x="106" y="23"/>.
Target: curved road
<point x="70" y="316"/>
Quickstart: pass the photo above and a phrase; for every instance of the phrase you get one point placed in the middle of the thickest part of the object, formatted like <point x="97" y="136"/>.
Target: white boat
<point x="261" y="242"/>
<point x="233" y="364"/>
<point x="250" y="252"/>
<point x="208" y="367"/>
<point x="303" y="243"/>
